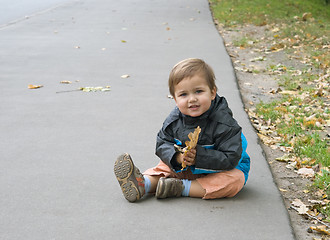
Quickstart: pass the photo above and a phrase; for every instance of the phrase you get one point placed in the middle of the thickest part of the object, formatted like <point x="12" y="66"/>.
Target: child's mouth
<point x="193" y="107"/>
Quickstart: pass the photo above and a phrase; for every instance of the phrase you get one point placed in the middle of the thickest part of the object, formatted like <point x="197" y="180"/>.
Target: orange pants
<point x="217" y="185"/>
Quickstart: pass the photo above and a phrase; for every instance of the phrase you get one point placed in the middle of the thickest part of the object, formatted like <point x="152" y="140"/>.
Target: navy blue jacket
<point x="221" y="144"/>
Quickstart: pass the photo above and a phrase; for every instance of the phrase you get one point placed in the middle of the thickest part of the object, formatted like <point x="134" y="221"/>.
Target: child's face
<point x="193" y="96"/>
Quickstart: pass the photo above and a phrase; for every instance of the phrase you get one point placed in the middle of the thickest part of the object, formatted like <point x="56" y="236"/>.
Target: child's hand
<point x="188" y="158"/>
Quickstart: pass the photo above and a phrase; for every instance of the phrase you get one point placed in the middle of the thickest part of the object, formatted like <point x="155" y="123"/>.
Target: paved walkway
<point x="58" y="149"/>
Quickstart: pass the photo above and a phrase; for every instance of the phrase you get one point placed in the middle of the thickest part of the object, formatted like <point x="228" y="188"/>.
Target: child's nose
<point x="192" y="98"/>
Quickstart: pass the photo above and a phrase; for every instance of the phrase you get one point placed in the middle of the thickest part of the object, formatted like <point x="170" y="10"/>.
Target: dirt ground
<point x="256" y="84"/>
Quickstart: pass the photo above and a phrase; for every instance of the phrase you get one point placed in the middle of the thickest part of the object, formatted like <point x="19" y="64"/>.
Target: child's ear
<point x="214" y="93"/>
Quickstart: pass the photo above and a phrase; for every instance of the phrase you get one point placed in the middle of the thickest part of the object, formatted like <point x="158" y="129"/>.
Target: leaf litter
<point x="305" y="103"/>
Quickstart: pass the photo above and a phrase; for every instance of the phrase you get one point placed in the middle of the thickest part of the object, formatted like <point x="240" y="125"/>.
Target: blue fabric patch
<point x="208" y="146"/>
<point x="177" y="142"/>
<point x="244" y="162"/>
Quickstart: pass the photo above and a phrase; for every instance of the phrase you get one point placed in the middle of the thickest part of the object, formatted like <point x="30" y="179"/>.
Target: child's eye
<point x="182" y="95"/>
<point x="199" y="91"/>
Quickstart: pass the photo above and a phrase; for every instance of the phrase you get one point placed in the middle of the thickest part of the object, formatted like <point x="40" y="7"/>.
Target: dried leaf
<point x="65" y="82"/>
<point x="290" y="92"/>
<point x="276" y="29"/>
<point x="306" y="172"/>
<point x="31" y="86"/>
<point x="321" y="229"/>
<point x="123" y="41"/>
<point x="303" y="210"/>
<point x="285" y="158"/>
<point x="95" y="89"/>
<point x="193" y="137"/>
<point x="306" y="16"/>
<point x="301" y="207"/>
<point x="297" y="202"/>
<point x="261" y="58"/>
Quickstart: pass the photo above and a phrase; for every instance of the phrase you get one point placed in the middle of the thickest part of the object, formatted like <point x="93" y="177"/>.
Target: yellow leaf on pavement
<point x="31" y="86"/>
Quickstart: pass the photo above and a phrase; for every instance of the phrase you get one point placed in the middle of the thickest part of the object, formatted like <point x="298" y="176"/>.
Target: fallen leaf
<point x="306" y="16"/>
<point x="123" y="41"/>
<point x="275" y="29"/>
<point x="31" y="86"/>
<point x="306" y="172"/>
<point x="261" y="58"/>
<point x="95" y="89"/>
<point x="65" y="82"/>
<point x="321" y="229"/>
<point x="285" y="158"/>
<point x="289" y="92"/>
<point x="297" y="202"/>
<point x="301" y="207"/>
<point x="303" y="210"/>
<point x="277" y="47"/>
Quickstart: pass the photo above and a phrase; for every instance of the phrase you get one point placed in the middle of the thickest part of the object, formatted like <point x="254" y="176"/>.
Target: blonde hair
<point x="188" y="68"/>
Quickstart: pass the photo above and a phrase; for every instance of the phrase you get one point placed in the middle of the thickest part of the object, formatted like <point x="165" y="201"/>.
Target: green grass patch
<point x="261" y="12"/>
<point x="289" y="82"/>
<point x="312" y="146"/>
<point x="270" y="111"/>
<point x="243" y="42"/>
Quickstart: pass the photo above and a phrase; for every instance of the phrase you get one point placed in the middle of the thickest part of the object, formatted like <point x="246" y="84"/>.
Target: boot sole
<point x="124" y="171"/>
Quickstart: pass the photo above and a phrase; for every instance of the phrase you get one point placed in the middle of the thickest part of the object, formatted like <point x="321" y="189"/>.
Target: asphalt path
<point x="58" y="149"/>
<point x="13" y="11"/>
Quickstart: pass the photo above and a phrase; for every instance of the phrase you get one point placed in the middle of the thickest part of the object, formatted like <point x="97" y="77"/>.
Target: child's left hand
<point x="189" y="157"/>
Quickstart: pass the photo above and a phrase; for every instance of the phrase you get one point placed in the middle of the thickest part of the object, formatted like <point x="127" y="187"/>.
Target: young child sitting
<point x="217" y="167"/>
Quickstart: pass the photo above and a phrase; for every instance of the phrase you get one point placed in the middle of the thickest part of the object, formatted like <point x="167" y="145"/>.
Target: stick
<point x="315" y="218"/>
<point x="69" y="91"/>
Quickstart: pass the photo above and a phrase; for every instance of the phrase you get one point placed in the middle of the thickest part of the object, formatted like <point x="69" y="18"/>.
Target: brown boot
<point x="129" y="177"/>
<point x="169" y="187"/>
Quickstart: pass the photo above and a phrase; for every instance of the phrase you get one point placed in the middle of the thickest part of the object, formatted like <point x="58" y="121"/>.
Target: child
<point x="218" y="167"/>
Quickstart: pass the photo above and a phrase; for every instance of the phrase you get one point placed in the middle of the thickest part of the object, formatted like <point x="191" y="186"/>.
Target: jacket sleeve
<point x="165" y="146"/>
<point x="227" y="150"/>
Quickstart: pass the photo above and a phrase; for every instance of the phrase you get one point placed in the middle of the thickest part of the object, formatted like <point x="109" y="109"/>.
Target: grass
<point x="261" y="12"/>
<point x="244" y="42"/>
<point x="303" y="32"/>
